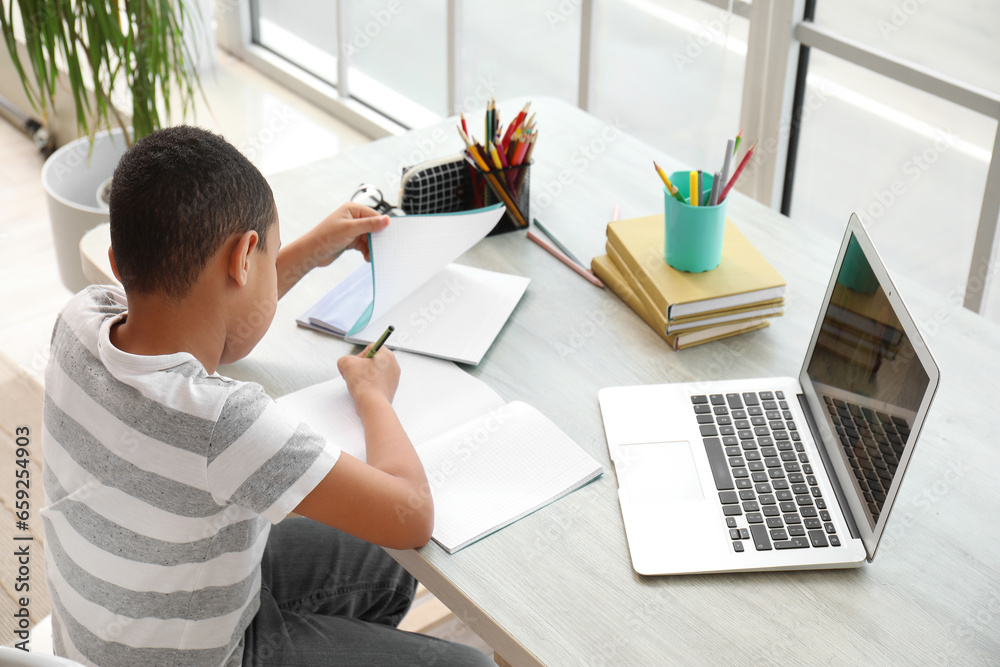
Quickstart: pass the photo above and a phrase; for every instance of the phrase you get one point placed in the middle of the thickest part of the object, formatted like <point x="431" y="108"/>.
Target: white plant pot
<point x="71" y="177"/>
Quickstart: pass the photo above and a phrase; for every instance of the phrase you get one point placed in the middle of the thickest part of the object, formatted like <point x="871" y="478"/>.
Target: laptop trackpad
<point x="658" y="472"/>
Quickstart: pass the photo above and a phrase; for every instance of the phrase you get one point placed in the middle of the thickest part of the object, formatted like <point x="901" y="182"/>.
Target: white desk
<point x="557" y="587"/>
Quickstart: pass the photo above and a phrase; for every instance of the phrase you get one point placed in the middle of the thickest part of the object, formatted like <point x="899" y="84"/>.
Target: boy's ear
<point x="239" y="258"/>
<point x="114" y="267"/>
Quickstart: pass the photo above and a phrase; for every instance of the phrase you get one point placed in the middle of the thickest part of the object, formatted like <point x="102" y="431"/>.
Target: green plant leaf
<point x="6" y="26"/>
<point x="138" y="44"/>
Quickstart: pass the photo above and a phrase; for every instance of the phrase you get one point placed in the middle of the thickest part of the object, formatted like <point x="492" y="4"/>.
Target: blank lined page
<point x="433" y="397"/>
<point x="414" y="248"/>
<point x="456" y="315"/>
<point x="497" y="469"/>
<point x="488" y="464"/>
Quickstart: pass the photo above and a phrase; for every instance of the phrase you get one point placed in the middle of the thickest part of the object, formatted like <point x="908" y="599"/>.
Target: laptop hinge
<point x="841" y="498"/>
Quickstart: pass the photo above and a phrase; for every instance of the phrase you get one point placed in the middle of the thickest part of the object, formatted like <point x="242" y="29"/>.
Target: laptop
<point x="779" y="473"/>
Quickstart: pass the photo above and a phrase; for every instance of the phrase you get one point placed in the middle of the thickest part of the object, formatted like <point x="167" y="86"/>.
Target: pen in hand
<point x="378" y="344"/>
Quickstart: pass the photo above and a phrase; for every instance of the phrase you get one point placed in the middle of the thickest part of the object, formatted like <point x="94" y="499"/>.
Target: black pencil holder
<point x="516" y="182"/>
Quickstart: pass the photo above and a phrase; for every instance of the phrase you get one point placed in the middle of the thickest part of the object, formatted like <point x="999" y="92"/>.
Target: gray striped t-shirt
<point x="161" y="483"/>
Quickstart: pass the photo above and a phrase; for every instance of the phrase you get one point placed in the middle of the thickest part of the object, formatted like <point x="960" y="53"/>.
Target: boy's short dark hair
<point x="176" y="196"/>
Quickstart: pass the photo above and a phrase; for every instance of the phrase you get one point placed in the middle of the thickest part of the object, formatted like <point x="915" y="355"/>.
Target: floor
<point x="272" y="126"/>
<point x="30" y="290"/>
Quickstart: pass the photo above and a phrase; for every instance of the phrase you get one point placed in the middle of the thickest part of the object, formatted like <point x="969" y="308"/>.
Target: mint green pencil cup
<point x="692" y="234"/>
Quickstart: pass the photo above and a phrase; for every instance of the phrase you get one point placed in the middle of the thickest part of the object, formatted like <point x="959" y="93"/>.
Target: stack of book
<point x="687" y="309"/>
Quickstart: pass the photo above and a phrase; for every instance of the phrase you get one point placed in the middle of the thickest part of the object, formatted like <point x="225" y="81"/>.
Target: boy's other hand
<point x="346" y="228"/>
<point x="377" y="377"/>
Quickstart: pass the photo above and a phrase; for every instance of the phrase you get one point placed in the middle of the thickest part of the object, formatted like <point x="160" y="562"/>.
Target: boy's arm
<point x="387" y="500"/>
<point x="347" y="227"/>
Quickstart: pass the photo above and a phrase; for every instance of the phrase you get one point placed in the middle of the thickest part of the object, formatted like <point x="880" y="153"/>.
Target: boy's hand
<point x="366" y="379"/>
<point x="387" y="499"/>
<point x="346" y="228"/>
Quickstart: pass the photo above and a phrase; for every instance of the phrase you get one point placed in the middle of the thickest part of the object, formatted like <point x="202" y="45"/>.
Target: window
<point x="957" y="39"/>
<point x="916" y="178"/>
<point x="308" y="39"/>
<point x="520" y="47"/>
<point x="398" y="58"/>
<point x="672" y="73"/>
<point x="900" y="98"/>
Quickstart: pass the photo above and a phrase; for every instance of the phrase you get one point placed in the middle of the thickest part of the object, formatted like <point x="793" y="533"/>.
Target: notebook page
<point x="456" y="315"/>
<point x="433" y="397"/>
<point x="414" y="248"/>
<point x="497" y="469"/>
<point x="339" y="309"/>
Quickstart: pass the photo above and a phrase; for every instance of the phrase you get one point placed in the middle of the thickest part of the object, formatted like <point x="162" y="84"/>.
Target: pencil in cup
<point x="521" y="196"/>
<point x="693" y="235"/>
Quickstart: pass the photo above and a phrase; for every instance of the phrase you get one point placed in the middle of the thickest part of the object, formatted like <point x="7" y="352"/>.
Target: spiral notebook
<point x="437" y="307"/>
<point x="489" y="463"/>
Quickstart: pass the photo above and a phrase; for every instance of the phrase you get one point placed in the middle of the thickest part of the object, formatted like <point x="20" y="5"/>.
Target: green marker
<point x="378" y="344"/>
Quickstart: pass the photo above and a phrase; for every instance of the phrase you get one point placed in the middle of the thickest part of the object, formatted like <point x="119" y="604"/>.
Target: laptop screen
<point x="866" y="373"/>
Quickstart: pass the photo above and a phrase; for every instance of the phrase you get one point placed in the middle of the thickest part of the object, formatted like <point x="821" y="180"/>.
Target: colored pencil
<point x="713" y="196"/>
<point x="739" y="170"/>
<point x="510" y="148"/>
<point x="514" y="125"/>
<point x="471" y="149"/>
<point x="670" y="186"/>
<point x="693" y="188"/>
<point x="501" y="155"/>
<point x="558" y="243"/>
<point x="501" y="192"/>
<point x="522" y="173"/>
<point x="491" y="179"/>
<point x="487" y="123"/>
<point x="520" y="150"/>
<point x="727" y="161"/>
<point x="552" y="250"/>
<point x="491" y="150"/>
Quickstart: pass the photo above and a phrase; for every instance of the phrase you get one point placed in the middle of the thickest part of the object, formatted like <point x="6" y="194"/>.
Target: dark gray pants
<point x="328" y="598"/>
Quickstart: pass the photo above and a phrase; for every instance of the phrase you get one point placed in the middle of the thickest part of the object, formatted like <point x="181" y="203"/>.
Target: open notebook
<point x="489" y="463"/>
<point x="438" y="308"/>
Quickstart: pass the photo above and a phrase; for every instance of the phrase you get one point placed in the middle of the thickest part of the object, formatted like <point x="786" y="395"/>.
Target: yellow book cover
<point x="692" y="338"/>
<point x="605" y="269"/>
<point x="774" y="306"/>
<point x="753" y="311"/>
<point x="744" y="276"/>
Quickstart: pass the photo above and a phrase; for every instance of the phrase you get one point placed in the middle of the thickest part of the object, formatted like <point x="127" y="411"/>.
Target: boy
<point x="163" y="477"/>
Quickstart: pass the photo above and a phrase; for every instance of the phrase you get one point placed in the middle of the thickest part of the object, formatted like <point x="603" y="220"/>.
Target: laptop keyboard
<point x="770" y="497"/>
